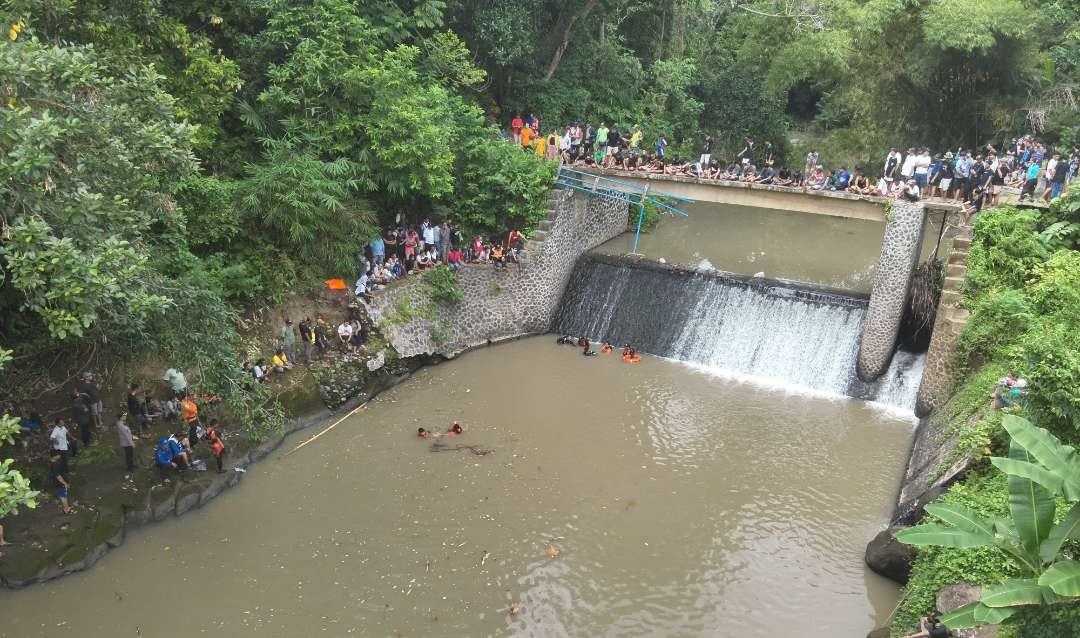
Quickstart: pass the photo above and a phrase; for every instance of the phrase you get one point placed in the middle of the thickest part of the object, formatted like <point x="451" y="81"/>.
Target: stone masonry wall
<point x="937" y="376"/>
<point x="505" y="303"/>
<point x="892" y="280"/>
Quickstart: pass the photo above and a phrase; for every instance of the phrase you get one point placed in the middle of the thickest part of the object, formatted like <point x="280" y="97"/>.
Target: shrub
<point x="1005" y="247"/>
<point x="1051" y="364"/>
<point x="998" y="319"/>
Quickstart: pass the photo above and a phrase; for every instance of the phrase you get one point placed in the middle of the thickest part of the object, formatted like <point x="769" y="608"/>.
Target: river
<point x="678" y="502"/>
<point x="837" y="252"/>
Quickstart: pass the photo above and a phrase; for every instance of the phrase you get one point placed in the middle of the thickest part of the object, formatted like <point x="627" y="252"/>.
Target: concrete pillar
<point x="892" y="280"/>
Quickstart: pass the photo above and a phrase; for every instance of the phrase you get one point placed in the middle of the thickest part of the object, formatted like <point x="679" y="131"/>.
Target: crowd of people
<point x="173" y="418"/>
<point x="408" y="249"/>
<point x="974" y="178"/>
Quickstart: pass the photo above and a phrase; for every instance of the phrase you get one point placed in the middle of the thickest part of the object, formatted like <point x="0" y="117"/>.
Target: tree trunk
<point x="561" y="49"/>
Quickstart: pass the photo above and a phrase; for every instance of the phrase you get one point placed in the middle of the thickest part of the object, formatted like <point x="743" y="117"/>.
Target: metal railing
<point x="617" y="190"/>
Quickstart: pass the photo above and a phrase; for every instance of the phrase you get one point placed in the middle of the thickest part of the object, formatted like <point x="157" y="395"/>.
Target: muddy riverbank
<point x="110" y="503"/>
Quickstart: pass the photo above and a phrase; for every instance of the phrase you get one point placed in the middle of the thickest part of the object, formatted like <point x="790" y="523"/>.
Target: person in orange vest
<point x="189" y="410"/>
<point x="217" y="446"/>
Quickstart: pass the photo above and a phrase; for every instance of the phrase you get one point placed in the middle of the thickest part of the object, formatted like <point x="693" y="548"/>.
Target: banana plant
<point x="1040" y="468"/>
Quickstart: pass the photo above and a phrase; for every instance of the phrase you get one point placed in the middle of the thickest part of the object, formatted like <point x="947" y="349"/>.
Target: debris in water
<point x="553" y="551"/>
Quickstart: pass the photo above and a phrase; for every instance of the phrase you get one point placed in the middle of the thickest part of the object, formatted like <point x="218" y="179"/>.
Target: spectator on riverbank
<point x="279" y="363"/>
<point x="288" y="339"/>
<point x="80" y="415"/>
<point x="163" y="459"/>
<point x="58" y="477"/>
<point x="88" y="385"/>
<point x="135" y="409"/>
<point x="217" y="446"/>
<point x="127" y="441"/>
<point x="60" y="439"/>
<point x="189" y="410"/>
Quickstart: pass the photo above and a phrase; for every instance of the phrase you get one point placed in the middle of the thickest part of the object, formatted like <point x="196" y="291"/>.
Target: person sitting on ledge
<point x="783" y="178"/>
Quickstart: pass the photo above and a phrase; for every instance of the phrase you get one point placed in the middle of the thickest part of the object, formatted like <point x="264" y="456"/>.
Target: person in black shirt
<point x="135" y="411"/>
<point x="58" y="478"/>
<point x="80" y="414"/>
<point x="706" y="153"/>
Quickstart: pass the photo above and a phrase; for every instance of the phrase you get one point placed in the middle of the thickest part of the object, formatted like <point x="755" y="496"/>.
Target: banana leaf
<point x="1063" y="578"/>
<point x="1017" y="591"/>
<point x="962" y="517"/>
<point x="942" y="536"/>
<point x="1067" y="529"/>
<point x="1031" y="505"/>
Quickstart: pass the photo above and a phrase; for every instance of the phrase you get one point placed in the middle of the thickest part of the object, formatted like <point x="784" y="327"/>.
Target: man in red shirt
<point x="516" y="124"/>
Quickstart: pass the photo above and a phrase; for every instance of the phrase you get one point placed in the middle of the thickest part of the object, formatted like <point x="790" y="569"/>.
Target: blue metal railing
<point x="621" y="191"/>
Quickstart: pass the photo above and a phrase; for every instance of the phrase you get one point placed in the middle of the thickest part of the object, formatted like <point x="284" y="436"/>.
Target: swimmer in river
<point x="565" y="339"/>
<point x="455" y="430"/>
<point x="587" y="352"/>
<point x="422" y="433"/>
<point x="607" y="347"/>
<point x="582" y="342"/>
<point x="627" y="351"/>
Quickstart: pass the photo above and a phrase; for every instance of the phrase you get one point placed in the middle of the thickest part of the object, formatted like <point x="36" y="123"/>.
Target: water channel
<point x="823" y="250"/>
<point x="679" y="503"/>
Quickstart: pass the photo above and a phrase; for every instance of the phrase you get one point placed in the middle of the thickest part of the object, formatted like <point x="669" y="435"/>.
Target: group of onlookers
<point x="973" y="177"/>
<point x="407" y="250"/>
<point x="136" y="419"/>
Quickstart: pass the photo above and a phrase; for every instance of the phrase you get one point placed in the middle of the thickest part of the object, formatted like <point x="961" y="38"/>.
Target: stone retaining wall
<point x="892" y="280"/>
<point x="940" y="358"/>
<point x="502" y="303"/>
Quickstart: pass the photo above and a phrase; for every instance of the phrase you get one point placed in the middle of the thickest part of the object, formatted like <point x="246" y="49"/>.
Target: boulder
<point x="889" y="557"/>
<point x="953" y="597"/>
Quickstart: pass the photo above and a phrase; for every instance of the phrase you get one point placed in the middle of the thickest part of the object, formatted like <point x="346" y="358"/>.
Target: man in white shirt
<point x="429" y="234"/>
<point x="907" y="169"/>
<point x="344" y="333"/>
<point x="922" y="168"/>
<point x="59" y="439"/>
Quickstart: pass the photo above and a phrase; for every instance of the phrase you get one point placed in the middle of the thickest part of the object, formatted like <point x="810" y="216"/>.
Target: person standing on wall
<point x="706" y="153"/>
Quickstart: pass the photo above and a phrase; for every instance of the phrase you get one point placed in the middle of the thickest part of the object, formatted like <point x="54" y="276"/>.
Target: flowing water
<point x="817" y="249"/>
<point x="678" y="503"/>
<point x="776" y="334"/>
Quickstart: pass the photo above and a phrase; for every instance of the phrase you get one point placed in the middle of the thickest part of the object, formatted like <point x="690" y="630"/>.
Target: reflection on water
<point x="815" y="249"/>
<point x="679" y="504"/>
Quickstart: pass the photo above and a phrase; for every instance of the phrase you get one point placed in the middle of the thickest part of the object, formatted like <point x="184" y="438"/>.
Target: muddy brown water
<point x="678" y="503"/>
<point x="817" y="249"/>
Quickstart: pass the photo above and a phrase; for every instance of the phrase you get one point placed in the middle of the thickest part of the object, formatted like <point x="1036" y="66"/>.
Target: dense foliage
<point x="1023" y="290"/>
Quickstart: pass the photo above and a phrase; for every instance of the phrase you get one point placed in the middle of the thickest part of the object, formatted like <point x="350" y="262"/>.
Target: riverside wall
<point x="504" y="303"/>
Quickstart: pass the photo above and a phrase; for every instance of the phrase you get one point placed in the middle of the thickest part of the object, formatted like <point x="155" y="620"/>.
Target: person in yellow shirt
<point x="280" y="362"/>
<point x="540" y="146"/>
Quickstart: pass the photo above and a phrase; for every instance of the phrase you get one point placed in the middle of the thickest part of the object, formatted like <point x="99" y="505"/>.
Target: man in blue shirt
<point x="1031" y="178"/>
<point x="378" y="250"/>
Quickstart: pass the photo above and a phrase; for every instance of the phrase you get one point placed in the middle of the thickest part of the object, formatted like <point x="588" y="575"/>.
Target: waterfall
<point x="775" y="332"/>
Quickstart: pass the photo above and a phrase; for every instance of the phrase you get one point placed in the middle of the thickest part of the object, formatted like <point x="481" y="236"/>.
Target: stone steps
<point x="961" y="243"/>
<point x="950" y="298"/>
<point x="958" y="257"/>
<point x="955" y="270"/>
<point x="953" y="283"/>
<point x="539" y="235"/>
<point x="546" y="224"/>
